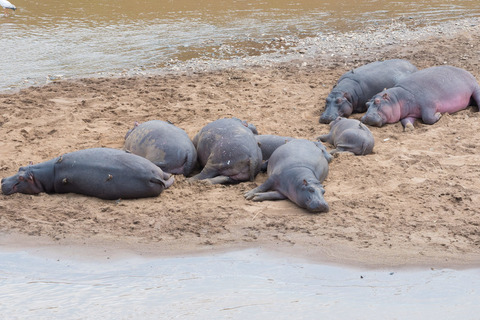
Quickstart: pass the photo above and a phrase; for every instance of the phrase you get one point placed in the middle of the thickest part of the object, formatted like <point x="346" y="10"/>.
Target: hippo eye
<point x="311" y="190"/>
<point x="21" y="178"/>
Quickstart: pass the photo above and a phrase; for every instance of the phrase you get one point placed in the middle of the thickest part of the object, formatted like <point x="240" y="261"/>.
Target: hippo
<point x="268" y="144"/>
<point x="296" y="171"/>
<point x="166" y="145"/>
<point x="99" y="172"/>
<point x="424" y="94"/>
<point x="349" y="135"/>
<point x="357" y="86"/>
<point x="227" y="151"/>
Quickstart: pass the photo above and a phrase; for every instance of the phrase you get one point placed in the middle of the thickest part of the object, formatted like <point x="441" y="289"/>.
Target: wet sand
<point x="414" y="201"/>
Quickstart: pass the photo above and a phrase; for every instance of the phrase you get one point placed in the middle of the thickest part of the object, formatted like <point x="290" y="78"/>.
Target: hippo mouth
<point x="8" y="190"/>
<point x="317" y="206"/>
<point x="327" y="118"/>
<point x="375" y="120"/>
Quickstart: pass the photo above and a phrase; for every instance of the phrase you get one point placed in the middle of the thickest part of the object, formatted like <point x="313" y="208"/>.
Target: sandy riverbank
<point x="414" y="201"/>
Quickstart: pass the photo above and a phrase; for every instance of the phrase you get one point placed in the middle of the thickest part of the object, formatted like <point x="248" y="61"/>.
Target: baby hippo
<point x="349" y="135"/>
<point x="296" y="171"/>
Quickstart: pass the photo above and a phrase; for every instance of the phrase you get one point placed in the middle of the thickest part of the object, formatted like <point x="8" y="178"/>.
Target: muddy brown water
<point x="52" y="39"/>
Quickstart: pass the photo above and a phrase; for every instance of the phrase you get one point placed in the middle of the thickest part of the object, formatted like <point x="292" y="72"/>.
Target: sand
<point x="414" y="201"/>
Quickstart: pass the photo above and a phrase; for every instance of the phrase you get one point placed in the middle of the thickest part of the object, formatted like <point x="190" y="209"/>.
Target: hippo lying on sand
<point x="166" y="145"/>
<point x="424" y="94"/>
<point x="356" y="87"/>
<point x="349" y="135"/>
<point x="101" y="172"/>
<point x="296" y="171"/>
<point x="227" y="151"/>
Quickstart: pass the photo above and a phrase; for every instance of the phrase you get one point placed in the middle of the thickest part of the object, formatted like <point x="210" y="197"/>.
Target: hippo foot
<point x="222" y="180"/>
<point x="339" y="153"/>
<point x="323" y="137"/>
<point x="408" y="127"/>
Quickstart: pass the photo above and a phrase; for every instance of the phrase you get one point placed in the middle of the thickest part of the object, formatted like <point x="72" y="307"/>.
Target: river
<point x="57" y="39"/>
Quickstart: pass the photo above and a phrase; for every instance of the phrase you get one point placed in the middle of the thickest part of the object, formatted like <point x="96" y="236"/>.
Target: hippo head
<point x="380" y="110"/>
<point x="337" y="105"/>
<point x="23" y="182"/>
<point x="310" y="197"/>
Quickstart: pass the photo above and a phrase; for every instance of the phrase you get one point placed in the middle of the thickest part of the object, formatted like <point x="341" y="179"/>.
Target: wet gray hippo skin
<point x="349" y="135"/>
<point x="227" y="151"/>
<point x="166" y="145"/>
<point x="268" y="144"/>
<point x="424" y="95"/>
<point x="296" y="171"/>
<point x="101" y="172"/>
<point x="356" y="87"/>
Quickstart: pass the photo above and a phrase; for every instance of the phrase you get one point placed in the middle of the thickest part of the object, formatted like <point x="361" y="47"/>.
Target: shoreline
<point x="413" y="202"/>
<point x="365" y="44"/>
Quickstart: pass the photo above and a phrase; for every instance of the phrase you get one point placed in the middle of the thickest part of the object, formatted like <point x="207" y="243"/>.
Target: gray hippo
<point x="424" y="94"/>
<point x="100" y="172"/>
<point x="296" y="171"/>
<point x="166" y="145"/>
<point x="268" y="143"/>
<point x="349" y="135"/>
<point x="357" y="86"/>
<point x="227" y="151"/>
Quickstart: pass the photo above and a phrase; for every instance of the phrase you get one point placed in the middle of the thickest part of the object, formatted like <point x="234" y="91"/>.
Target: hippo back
<point x="299" y="153"/>
<point x="108" y="174"/>
<point x="166" y="145"/>
<point x="376" y="76"/>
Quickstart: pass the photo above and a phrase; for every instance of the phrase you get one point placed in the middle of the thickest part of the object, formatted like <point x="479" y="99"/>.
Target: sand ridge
<point x="413" y="201"/>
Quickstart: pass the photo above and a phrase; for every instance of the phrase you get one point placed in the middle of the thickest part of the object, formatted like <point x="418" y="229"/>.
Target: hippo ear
<point x="135" y="124"/>
<point x="385" y="96"/>
<point x="305" y="183"/>
<point x="30" y="163"/>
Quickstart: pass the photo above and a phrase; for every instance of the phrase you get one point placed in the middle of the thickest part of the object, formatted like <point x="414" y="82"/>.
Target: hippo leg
<point x="325" y="138"/>
<point x="221" y="180"/>
<point x="341" y="149"/>
<point x="267" y="185"/>
<point x="408" y="123"/>
<point x="271" y="195"/>
<point x="169" y="179"/>
<point x="430" y="117"/>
